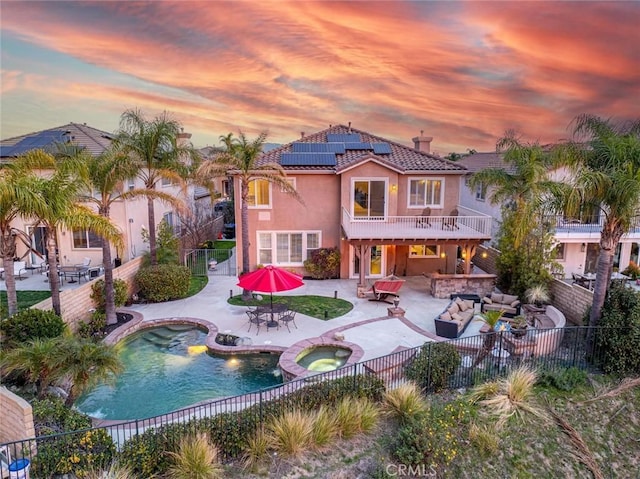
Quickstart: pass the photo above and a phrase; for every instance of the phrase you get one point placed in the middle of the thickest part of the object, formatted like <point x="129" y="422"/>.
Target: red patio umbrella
<point x="270" y="279"/>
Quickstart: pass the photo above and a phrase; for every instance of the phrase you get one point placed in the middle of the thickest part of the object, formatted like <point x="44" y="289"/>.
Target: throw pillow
<point x="457" y="317"/>
<point x="453" y="309"/>
<point x="461" y="304"/>
<point x="469" y="304"/>
<point x="508" y="299"/>
<point x="486" y="300"/>
<point x="515" y="304"/>
<point x="446" y="316"/>
<point x="496" y="298"/>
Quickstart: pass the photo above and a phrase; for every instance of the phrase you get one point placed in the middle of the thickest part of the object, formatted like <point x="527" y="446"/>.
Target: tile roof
<point x="403" y="158"/>
<point x="94" y="140"/>
<point x="482" y="161"/>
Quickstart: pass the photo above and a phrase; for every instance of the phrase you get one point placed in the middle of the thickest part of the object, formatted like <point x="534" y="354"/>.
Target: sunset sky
<point x="463" y="72"/>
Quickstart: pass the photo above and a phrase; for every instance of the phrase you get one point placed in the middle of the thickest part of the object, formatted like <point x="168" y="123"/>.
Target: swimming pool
<point x="168" y="368"/>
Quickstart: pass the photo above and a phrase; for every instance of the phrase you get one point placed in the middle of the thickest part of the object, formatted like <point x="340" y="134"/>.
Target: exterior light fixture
<point x="583" y="247"/>
<point x="484" y="254"/>
<point x="396" y="302"/>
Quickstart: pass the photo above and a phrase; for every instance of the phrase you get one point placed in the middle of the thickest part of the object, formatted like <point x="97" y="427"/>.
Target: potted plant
<point x="519" y="326"/>
<point x="538" y="295"/>
<point x="633" y="271"/>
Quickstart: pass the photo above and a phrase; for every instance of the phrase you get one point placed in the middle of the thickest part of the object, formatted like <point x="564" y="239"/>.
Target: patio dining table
<point x="271" y="309"/>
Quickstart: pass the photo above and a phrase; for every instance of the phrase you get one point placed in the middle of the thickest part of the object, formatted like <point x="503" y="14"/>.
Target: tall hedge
<point x="163" y="282"/>
<point x="618" y="343"/>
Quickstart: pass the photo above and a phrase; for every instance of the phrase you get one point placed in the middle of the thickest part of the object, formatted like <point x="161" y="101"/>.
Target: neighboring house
<point x="577" y="238"/>
<point x="221" y="186"/>
<point x="365" y="195"/>
<point x="130" y="216"/>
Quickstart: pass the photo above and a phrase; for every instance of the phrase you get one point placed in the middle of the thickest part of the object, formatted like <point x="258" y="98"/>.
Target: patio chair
<point x="452" y="222"/>
<point x="288" y="317"/>
<point x="254" y="318"/>
<point x="422" y="221"/>
<point x="383" y="288"/>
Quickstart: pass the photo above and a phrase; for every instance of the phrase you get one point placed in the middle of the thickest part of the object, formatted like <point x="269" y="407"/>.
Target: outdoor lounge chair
<point x="452" y="222"/>
<point x="422" y="221"/>
<point x="385" y="287"/>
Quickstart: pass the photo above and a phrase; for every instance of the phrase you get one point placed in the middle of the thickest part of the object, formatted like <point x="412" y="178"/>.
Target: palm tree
<point x="86" y="363"/>
<point x="36" y="360"/>
<point x="605" y="158"/>
<point x="18" y="197"/>
<point x="60" y="208"/>
<point x="240" y="159"/>
<point x="106" y="176"/>
<point x="523" y="190"/>
<point x="154" y="149"/>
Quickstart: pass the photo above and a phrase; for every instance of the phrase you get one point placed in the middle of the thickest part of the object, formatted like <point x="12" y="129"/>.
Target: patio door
<point x="368" y="199"/>
<point x="374" y="262"/>
<point x="38" y="244"/>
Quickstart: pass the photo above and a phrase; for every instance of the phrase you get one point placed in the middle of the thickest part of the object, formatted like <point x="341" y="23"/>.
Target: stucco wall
<point x="17" y="417"/>
<point x="75" y="304"/>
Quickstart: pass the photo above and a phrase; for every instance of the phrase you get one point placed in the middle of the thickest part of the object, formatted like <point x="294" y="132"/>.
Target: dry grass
<point x="325" y="428"/>
<point x="257" y="448"/>
<point x="291" y="433"/>
<point x="484" y="391"/>
<point x="514" y="396"/>
<point x="485" y="438"/>
<point x="369" y="413"/>
<point x="582" y="452"/>
<point x="114" y="471"/>
<point x="404" y="402"/>
<point x="196" y="458"/>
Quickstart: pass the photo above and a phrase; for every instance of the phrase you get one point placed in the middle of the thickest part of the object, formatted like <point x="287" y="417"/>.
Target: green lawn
<point x="320" y="307"/>
<point x="224" y="244"/>
<point x="25" y="299"/>
<point x="196" y="284"/>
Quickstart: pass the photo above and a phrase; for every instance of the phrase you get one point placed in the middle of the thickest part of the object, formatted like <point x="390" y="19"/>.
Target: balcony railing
<point x="417" y="227"/>
<point x="585" y="225"/>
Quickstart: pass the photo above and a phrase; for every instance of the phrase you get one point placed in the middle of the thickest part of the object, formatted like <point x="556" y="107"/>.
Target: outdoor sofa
<point x="452" y="322"/>
<point x="507" y="303"/>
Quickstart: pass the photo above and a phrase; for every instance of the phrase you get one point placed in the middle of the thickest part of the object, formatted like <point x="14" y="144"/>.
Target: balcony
<point x="585" y="227"/>
<point x="468" y="225"/>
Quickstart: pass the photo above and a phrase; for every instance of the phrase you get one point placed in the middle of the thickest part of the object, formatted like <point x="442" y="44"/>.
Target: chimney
<point x="422" y="143"/>
<point x="182" y="137"/>
<point x="302" y="134"/>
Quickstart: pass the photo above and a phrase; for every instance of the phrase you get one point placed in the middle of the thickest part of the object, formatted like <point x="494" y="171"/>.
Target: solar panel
<point x="381" y="148"/>
<point x="300" y="147"/>
<point x="343" y="137"/>
<point x="308" y="159"/>
<point x="358" y="146"/>
<point x="39" y="140"/>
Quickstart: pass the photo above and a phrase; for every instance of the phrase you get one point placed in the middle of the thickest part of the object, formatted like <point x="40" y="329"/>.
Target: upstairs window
<point x="481" y="192"/>
<point x="259" y="194"/>
<point x="425" y="192"/>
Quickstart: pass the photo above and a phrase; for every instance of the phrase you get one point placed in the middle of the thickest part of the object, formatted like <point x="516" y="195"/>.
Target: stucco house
<point x="577" y="239"/>
<point x="367" y="196"/>
<point x="130" y="216"/>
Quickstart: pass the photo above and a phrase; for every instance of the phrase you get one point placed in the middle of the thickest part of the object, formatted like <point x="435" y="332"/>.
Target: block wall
<point x="17" y="417"/>
<point x="76" y="304"/>
<point x="488" y="264"/>
<point x="572" y="300"/>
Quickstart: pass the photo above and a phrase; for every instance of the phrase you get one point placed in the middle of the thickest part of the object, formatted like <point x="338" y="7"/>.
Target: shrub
<point x="75" y="454"/>
<point x="324" y="263"/>
<point x="31" y="324"/>
<point x="486" y="439"/>
<point x="113" y="471"/>
<point x="291" y="433"/>
<point x="618" y="342"/>
<point x="432" y="438"/>
<point x="257" y="448"/>
<point x="95" y="327"/>
<point x="433" y="366"/>
<point x="163" y="282"/>
<point x="196" y="458"/>
<point x="51" y="416"/>
<point x="325" y="427"/>
<point x="404" y="402"/>
<point x="120" y="291"/>
<point x="633" y="270"/>
<point x="348" y="418"/>
<point x="565" y="379"/>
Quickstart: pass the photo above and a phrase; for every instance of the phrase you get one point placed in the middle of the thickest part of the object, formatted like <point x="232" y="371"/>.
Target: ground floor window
<point x="424" y="251"/>
<point x="286" y="248"/>
<point x="86" y="239"/>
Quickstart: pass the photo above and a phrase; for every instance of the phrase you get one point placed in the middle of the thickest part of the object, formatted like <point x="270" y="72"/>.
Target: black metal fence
<point x="476" y="359"/>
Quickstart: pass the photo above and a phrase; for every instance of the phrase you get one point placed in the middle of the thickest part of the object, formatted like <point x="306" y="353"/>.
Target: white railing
<point x="416" y="227"/>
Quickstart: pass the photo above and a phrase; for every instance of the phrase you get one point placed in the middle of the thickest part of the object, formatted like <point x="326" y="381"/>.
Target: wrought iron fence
<point x="476" y="359"/>
<point x="216" y="262"/>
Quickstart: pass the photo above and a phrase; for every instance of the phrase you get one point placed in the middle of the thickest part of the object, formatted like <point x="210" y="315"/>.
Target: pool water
<point x="168" y="368"/>
<point x="323" y="358"/>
